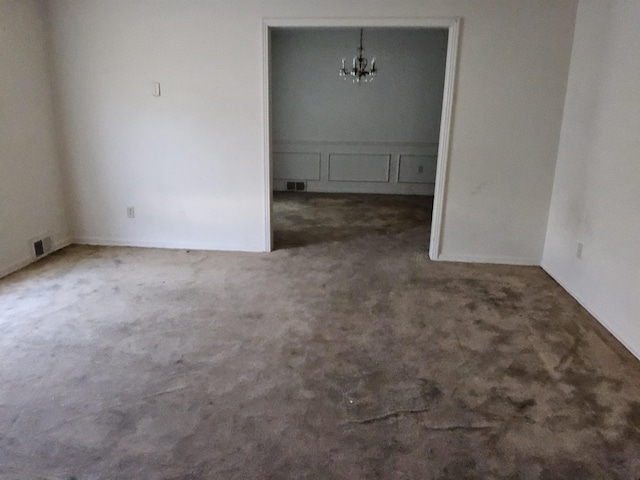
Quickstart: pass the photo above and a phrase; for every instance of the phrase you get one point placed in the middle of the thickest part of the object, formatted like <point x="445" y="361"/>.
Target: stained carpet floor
<point x="344" y="354"/>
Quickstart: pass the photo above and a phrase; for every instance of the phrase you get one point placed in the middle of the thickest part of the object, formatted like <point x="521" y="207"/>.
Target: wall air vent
<point x="41" y="246"/>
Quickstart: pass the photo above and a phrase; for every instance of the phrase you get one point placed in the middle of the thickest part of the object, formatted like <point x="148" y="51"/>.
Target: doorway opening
<point x="388" y="138"/>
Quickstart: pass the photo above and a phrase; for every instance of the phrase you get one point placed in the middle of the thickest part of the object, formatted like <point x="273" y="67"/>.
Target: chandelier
<point x="359" y="68"/>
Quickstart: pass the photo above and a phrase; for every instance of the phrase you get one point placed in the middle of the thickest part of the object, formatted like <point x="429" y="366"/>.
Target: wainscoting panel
<point x="358" y="167"/>
<point x="296" y="166"/>
<point x="417" y="168"/>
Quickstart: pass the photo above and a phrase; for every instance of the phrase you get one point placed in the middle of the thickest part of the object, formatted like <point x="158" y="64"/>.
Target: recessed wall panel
<point x="296" y="166"/>
<point x="359" y="167"/>
<point x="417" y="169"/>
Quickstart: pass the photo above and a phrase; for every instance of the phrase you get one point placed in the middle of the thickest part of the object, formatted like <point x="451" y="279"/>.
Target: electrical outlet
<point x="131" y="212"/>
<point x="300" y="186"/>
<point x="579" y="250"/>
<point x="291" y="185"/>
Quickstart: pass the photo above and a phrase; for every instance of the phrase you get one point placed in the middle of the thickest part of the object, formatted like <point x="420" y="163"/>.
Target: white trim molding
<point x="452" y="24"/>
<point x="168" y="245"/>
<point x="266" y="100"/>
<point x="313" y="163"/>
<point x="442" y="168"/>
<point x="525" y="261"/>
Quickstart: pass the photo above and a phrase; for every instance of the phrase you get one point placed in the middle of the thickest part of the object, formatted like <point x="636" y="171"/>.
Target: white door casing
<point x="452" y="24"/>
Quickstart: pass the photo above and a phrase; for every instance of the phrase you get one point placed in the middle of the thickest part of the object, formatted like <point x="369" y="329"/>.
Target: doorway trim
<point x="452" y="24"/>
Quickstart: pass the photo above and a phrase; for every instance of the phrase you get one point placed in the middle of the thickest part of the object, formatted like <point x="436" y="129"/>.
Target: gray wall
<point x="339" y="136"/>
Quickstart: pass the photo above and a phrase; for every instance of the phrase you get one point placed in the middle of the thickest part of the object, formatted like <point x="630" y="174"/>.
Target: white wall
<point x="596" y="194"/>
<point x="31" y="200"/>
<point x="191" y="161"/>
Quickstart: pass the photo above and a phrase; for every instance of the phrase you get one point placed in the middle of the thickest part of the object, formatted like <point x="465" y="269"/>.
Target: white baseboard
<point x="426" y="189"/>
<point x="599" y="316"/>
<point x="118" y="242"/>
<point x="493" y="260"/>
<point x="15" y="266"/>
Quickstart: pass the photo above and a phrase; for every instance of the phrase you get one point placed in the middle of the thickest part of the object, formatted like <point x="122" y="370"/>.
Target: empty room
<point x="226" y="253"/>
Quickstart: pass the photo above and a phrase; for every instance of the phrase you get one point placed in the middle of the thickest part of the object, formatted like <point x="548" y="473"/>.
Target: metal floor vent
<point x="41" y="246"/>
<point x="296" y="186"/>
